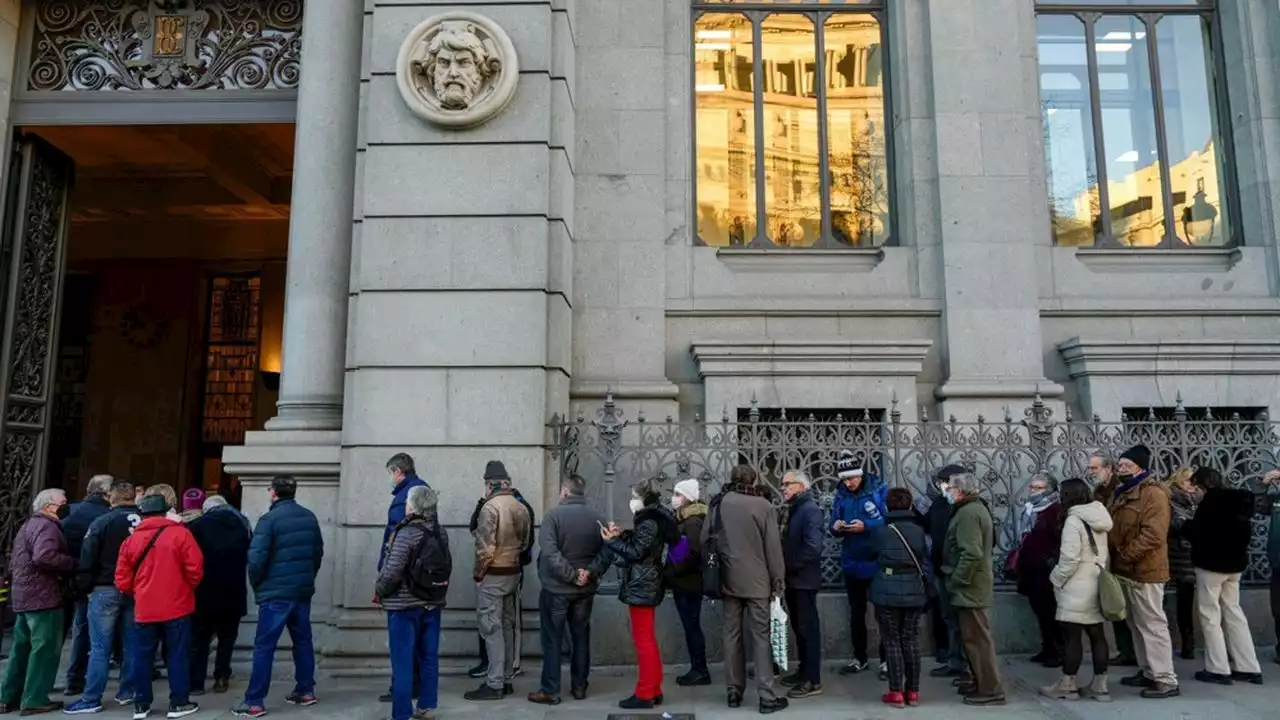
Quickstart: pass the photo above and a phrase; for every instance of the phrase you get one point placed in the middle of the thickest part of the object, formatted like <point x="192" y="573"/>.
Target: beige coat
<point x="1075" y="577"/>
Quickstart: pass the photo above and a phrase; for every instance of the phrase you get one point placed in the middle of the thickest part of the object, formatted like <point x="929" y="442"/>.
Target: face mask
<point x="63" y="511"/>
<point x="636" y="505"/>
<point x="1123" y="478"/>
<point x="677" y="502"/>
<point x="951" y="498"/>
<point x="1036" y="497"/>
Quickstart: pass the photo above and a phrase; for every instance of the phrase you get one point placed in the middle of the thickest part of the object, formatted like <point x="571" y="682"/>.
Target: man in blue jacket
<point x="858" y="508"/>
<point x="284" y="559"/>
<point x="404" y="477"/>
<point x="75" y="527"/>
<point x="802" y="556"/>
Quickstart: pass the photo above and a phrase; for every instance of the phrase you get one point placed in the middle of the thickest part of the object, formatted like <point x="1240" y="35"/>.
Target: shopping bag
<point x="1110" y="591"/>
<point x="778" y="634"/>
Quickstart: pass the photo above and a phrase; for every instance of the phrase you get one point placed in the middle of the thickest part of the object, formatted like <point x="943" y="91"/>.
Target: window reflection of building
<point x="736" y="180"/>
<point x="1146" y="83"/>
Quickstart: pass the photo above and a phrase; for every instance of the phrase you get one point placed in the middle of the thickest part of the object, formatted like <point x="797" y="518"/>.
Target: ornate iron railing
<point x="612" y="451"/>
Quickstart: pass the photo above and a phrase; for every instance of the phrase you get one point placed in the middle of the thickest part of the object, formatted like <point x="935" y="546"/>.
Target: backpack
<point x="430" y="567"/>
<point x="712" y="562"/>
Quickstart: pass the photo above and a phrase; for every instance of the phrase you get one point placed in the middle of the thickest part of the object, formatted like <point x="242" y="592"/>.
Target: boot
<point x="1097" y="689"/>
<point x="1064" y="689"/>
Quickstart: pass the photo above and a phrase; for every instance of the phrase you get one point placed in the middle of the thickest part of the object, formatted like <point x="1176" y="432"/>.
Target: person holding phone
<point x="859" y="506"/>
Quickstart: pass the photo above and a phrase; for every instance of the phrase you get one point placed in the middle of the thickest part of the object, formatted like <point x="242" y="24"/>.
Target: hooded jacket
<point x="162" y="583"/>
<point x="640" y="554"/>
<point x="802" y="543"/>
<point x="1139" y="536"/>
<point x="1221" y="530"/>
<point x="39" y="564"/>
<point x="1075" y="577"/>
<point x="857" y="554"/>
<point x="684" y="564"/>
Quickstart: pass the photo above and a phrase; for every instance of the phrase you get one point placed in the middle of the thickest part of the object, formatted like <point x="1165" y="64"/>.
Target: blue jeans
<point x="273" y="617"/>
<point x="79" y="645"/>
<point x="109" y="611"/>
<point x="557" y="611"/>
<point x="415" y="641"/>
<point x="177" y="640"/>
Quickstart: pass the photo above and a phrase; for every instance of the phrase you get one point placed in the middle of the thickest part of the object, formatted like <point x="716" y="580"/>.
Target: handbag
<point x="1110" y="593"/>
<point x="930" y="591"/>
<point x="712" y="565"/>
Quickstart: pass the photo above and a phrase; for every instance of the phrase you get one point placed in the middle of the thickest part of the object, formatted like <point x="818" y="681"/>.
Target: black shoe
<point x="1139" y="681"/>
<point x="74" y="690"/>
<point x="221" y="685"/>
<point x="735" y="698"/>
<point x="196" y="692"/>
<point x="694" y="677"/>
<point x="963" y="678"/>
<point x="385" y="698"/>
<point x="1188" y="652"/>
<point x="183" y="710"/>
<point x="635" y="703"/>
<point x="791" y="680"/>
<point x="773" y="706"/>
<point x="1205" y="676"/>
<point x="983" y="700"/>
<point x="945" y="671"/>
<point x="508" y="689"/>
<point x="1053" y="661"/>
<point x="805" y="690"/>
<point x="483" y="693"/>
<point x="478" y="671"/>
<point x="854" y="667"/>
<point x="579" y="694"/>
<point x="1251" y="678"/>
<point x="1041" y="656"/>
<point x="1123" y="661"/>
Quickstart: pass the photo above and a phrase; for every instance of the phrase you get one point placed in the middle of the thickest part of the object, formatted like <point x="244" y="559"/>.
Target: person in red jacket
<point x="160" y="565"/>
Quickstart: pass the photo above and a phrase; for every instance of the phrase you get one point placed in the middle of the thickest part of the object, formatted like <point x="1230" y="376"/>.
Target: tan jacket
<point x="502" y="533"/>
<point x="1139" y="538"/>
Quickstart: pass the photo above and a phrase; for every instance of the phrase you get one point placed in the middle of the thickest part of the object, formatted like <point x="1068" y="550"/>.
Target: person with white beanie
<point x="684" y="575"/>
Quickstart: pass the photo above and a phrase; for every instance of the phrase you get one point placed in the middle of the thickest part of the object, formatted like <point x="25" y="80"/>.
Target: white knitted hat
<point x="688" y="488"/>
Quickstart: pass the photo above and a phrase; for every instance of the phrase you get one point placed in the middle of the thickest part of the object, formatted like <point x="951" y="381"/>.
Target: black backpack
<point x="430" y="567"/>
<point x="712" y="562"/>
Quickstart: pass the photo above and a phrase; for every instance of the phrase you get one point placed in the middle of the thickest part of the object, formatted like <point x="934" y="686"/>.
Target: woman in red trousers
<point x="639" y="553"/>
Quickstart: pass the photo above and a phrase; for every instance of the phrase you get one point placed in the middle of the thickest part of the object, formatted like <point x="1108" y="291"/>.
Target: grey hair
<point x="1048" y="479"/>
<point x="421" y="501"/>
<point x="46" y="497"/>
<point x="212" y="502"/>
<point x="966" y="483"/>
<point x="801" y="477"/>
<point x="1107" y="461"/>
<point x="99" y="485"/>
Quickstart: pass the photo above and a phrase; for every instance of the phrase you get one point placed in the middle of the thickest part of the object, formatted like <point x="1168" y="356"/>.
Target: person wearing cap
<point x="684" y="576"/>
<point x="192" y="504"/>
<point x="1139" y="542"/>
<point x="161" y="565"/>
<point x="481" y="669"/>
<point x="857" y="509"/>
<point x="223" y="535"/>
<point x="936" y="520"/>
<point x="503" y="535"/>
<point x="284" y="559"/>
<point x="571" y="559"/>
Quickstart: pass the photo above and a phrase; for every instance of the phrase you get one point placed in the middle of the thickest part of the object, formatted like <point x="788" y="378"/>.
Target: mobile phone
<point x="602" y="527"/>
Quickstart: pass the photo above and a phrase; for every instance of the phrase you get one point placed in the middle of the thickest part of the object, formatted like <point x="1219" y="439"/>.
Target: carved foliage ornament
<point x="457" y="69"/>
<point x="92" y="45"/>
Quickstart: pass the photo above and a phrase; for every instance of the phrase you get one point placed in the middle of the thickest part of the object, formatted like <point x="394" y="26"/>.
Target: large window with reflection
<point x="1133" y="104"/>
<point x="792" y="148"/>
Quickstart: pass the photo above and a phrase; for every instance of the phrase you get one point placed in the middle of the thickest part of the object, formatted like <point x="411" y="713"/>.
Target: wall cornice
<point x="764" y="357"/>
<point x="1086" y="357"/>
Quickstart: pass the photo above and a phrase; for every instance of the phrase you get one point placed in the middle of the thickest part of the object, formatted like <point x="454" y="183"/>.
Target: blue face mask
<point x="951" y="498"/>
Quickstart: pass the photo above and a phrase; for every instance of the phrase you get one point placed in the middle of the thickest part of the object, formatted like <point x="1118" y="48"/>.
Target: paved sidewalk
<point x="845" y="699"/>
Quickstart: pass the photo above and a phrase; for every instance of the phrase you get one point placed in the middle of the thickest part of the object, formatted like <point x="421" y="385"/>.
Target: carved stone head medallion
<point x="457" y="69"/>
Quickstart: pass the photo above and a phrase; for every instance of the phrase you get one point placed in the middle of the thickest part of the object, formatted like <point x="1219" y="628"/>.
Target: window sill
<point x="814" y="260"/>
<point x="1128" y="260"/>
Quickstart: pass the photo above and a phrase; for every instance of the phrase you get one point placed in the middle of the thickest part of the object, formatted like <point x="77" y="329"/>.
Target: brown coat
<point x="750" y="546"/>
<point x="1139" y="539"/>
<point x="502" y="534"/>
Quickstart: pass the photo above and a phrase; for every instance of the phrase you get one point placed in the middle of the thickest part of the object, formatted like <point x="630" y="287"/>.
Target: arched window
<point x="792" y="125"/>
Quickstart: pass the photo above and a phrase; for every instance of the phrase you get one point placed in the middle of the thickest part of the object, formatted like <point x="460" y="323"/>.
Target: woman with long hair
<point x="640" y="553"/>
<point x="1082" y="556"/>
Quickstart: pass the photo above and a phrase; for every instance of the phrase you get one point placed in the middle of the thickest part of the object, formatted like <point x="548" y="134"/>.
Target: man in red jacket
<point x="160" y="565"/>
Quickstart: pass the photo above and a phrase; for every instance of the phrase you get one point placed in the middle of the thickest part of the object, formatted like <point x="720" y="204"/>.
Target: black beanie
<point x="1140" y="455"/>
<point x="496" y="471"/>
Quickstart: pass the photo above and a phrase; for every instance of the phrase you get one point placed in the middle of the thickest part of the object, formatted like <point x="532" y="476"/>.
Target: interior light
<point x="1114" y="47"/>
<point x="709" y="88"/>
<point x="712" y="46"/>
<point x="1120" y="35"/>
<point x="1051" y="111"/>
<point x="715" y="34"/>
<point x="1129" y="157"/>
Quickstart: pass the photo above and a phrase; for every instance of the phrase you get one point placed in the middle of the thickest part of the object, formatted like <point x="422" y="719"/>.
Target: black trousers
<point x="560" y="614"/>
<point x="1275" y="599"/>
<point x="1124" y="639"/>
<point x="689" y="606"/>
<point x="1074" y="654"/>
<point x="206" y="628"/>
<point x="938" y="626"/>
<point x="1045" y="607"/>
<point x="856" y="590"/>
<point x="802" y="609"/>
<point x="1185" y="603"/>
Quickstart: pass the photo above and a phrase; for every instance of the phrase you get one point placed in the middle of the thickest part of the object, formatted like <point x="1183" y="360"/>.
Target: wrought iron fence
<point x="612" y="450"/>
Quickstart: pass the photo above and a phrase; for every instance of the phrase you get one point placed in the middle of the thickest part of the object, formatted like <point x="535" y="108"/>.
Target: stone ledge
<point x="810" y="358"/>
<point x="1094" y="357"/>
<point x="306" y="455"/>
<point x="1153" y="260"/>
<point x="811" y="260"/>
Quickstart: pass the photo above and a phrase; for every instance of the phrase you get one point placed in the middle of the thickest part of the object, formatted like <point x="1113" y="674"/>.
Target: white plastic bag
<point x="778" y="633"/>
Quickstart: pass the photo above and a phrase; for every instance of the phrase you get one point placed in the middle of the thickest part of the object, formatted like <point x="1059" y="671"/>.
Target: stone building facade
<point x="935" y="207"/>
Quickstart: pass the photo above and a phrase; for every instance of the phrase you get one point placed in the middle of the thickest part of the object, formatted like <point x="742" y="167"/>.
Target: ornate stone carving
<point x="457" y="69"/>
<point x="92" y="45"/>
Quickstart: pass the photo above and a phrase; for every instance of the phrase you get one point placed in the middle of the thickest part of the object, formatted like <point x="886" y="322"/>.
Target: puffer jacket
<point x="640" y="554"/>
<point x="1075" y="577"/>
<point x="1182" y="507"/>
<point x="897" y="582"/>
<point x="406" y="541"/>
<point x="802" y="543"/>
<point x="684" y="569"/>
<point x="504" y="533"/>
<point x="1139" y="536"/>
<point x="967" y="559"/>
<point x="285" y="553"/>
<point x="857" y="557"/>
<point x="39" y="563"/>
<point x="76" y="526"/>
<point x="1221" y="531"/>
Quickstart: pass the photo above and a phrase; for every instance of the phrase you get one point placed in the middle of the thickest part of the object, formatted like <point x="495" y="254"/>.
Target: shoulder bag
<point x="930" y="591"/>
<point x="147" y="551"/>
<point x="1110" y="594"/>
<point x="712" y="563"/>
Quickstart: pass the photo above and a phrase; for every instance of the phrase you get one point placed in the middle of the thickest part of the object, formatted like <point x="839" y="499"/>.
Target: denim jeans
<point x="557" y="611"/>
<point x="689" y="606"/>
<point x="206" y="628"/>
<point x="415" y="644"/>
<point x="177" y="640"/>
<point x="79" y="645"/>
<point x="273" y="617"/>
<point x="110" y="615"/>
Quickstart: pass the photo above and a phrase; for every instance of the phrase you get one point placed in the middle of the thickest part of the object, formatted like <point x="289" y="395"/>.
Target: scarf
<point x="757" y="490"/>
<point x="1133" y="483"/>
<point x="1032" y="508"/>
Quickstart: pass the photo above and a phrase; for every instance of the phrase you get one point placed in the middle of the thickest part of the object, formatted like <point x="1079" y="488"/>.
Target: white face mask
<point x="636" y="505"/>
<point x="677" y="501"/>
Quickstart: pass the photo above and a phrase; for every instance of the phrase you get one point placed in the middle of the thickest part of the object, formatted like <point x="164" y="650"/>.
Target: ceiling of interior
<point x="199" y="172"/>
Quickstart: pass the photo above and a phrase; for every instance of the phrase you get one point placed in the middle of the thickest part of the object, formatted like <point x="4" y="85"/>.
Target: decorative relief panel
<point x="98" y="45"/>
<point x="457" y="69"/>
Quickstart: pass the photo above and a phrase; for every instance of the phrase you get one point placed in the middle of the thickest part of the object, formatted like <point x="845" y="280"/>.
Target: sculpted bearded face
<point x="458" y="66"/>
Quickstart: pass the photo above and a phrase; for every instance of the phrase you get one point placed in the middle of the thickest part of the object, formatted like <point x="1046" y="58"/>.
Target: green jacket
<point x="967" y="557"/>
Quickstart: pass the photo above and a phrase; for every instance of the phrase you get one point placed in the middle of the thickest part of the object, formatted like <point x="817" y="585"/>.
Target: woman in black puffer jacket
<point x="641" y="554"/>
<point x="899" y="595"/>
